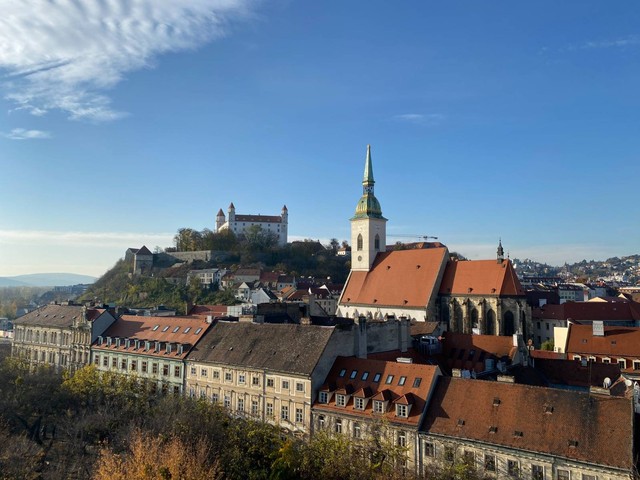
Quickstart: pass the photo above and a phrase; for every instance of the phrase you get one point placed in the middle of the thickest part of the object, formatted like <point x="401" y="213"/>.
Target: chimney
<point x="361" y="337"/>
<point x="403" y="344"/>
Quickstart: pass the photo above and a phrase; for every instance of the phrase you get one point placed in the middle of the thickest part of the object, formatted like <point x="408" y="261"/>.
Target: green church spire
<point x="368" y="205"/>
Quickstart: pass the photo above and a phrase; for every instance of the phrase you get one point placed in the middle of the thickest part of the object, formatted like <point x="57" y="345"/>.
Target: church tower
<point x="368" y="226"/>
<point x="500" y="253"/>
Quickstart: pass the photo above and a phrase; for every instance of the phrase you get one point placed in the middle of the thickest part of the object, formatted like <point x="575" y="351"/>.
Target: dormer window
<point x="341" y="400"/>
<point x="359" y="403"/>
<point x="378" y="406"/>
<point x="323" y="397"/>
<point x="402" y="411"/>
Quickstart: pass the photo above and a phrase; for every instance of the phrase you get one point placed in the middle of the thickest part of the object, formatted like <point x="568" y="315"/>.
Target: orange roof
<point x="617" y="341"/>
<point x="387" y="381"/>
<point x="404" y="278"/>
<point x="480" y="277"/>
<point x="470" y="352"/>
<point x="588" y="311"/>
<point x="183" y="330"/>
<point x="206" y="310"/>
<point x="590" y="428"/>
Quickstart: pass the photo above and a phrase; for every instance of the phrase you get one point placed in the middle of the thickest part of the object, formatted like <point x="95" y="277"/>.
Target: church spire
<point x="368" y="206"/>
<point x="500" y="252"/>
<point x="368" y="171"/>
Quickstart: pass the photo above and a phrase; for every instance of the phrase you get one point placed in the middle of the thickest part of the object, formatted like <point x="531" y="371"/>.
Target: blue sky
<point x="122" y="121"/>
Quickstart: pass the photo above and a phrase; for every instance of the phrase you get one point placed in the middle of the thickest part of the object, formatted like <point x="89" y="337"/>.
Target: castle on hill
<point x="240" y="223"/>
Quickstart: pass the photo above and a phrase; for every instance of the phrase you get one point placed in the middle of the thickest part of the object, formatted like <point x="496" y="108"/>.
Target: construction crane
<point x="406" y="235"/>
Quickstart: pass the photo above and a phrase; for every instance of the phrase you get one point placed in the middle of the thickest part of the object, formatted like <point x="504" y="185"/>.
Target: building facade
<point x="152" y="349"/>
<point x="59" y="335"/>
<point x="506" y="430"/>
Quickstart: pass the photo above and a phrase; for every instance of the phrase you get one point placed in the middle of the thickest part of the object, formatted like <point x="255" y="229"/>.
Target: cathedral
<point x="425" y="283"/>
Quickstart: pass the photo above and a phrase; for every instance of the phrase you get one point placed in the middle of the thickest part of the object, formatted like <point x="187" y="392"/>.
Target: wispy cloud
<point x="67" y="54"/>
<point x="23" y="134"/>
<point x="426" y="119"/>
<point x="629" y="41"/>
<point x="85" y="239"/>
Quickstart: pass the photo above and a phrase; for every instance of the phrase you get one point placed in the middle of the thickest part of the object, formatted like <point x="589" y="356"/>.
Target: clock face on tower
<point x="368" y="189"/>
<point x="359" y="258"/>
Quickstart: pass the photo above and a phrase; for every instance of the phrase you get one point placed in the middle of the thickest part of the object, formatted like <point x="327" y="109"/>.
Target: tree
<point x="151" y="458"/>
<point x="334" y="244"/>
<point x="547" y="345"/>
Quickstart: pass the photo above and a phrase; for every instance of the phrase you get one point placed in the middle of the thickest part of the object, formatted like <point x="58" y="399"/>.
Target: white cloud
<point x="428" y="119"/>
<point x="65" y="54"/>
<point x="23" y="134"/>
<point x="628" y="41"/>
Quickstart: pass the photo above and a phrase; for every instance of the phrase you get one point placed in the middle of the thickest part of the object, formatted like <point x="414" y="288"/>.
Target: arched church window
<point x="474" y="318"/>
<point x="359" y="242"/>
<point x="509" y="324"/>
<point x="377" y="242"/>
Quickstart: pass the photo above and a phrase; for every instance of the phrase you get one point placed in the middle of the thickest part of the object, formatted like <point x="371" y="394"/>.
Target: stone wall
<point x="166" y="259"/>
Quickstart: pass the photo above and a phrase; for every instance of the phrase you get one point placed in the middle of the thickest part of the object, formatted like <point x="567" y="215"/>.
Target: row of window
<point x="242" y="378"/>
<point x="240" y="406"/>
<point x="402" y="380"/>
<point x="489" y="463"/>
<point x="360" y="403"/>
<point x="43" y="337"/>
<point x="132" y="366"/>
<point x="622" y="362"/>
<point x="357" y="430"/>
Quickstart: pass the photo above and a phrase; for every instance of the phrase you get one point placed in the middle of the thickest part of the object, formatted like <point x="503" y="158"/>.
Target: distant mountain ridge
<point x="45" y="280"/>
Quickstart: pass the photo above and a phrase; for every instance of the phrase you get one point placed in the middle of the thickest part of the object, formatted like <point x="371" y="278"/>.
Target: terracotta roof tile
<point x="384" y="381"/>
<point x="182" y="330"/>
<point x="480" y="277"/>
<point x="617" y="341"/>
<point x="601" y="426"/>
<point x="405" y="278"/>
<point x="589" y="311"/>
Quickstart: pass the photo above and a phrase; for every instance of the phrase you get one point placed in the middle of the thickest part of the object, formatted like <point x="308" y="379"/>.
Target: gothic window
<point x="509" y="324"/>
<point x="377" y="242"/>
<point x="359" y="242"/>
<point x="474" y="318"/>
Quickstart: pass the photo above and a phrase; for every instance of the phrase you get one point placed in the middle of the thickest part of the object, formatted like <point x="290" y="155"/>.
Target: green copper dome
<point x="368" y="205"/>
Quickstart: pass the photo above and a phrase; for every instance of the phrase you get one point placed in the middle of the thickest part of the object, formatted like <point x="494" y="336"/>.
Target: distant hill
<point x="45" y="280"/>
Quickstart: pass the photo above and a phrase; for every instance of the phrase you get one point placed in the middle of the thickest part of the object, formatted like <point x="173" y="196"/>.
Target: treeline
<point x="106" y="426"/>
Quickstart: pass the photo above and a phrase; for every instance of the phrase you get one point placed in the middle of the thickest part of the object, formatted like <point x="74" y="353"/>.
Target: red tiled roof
<point x="183" y="330"/>
<point x="404" y="278"/>
<point x="617" y="341"/>
<point x="480" y="277"/>
<point x="411" y="392"/>
<point x="589" y="311"/>
<point x="470" y="352"/>
<point x="259" y="218"/>
<point x="213" y="310"/>
<point x="602" y="426"/>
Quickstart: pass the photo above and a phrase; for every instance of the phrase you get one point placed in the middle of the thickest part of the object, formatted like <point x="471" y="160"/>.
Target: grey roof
<point x="55" y="316"/>
<point x="279" y="347"/>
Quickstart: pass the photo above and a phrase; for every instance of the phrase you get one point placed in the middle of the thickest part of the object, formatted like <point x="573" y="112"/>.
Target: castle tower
<point x="232" y="213"/>
<point x="500" y="258"/>
<point x="285" y="222"/>
<point x="368" y="226"/>
<point x="220" y="219"/>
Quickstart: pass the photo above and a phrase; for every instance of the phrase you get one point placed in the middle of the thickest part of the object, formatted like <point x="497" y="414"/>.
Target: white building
<point x="240" y="224"/>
